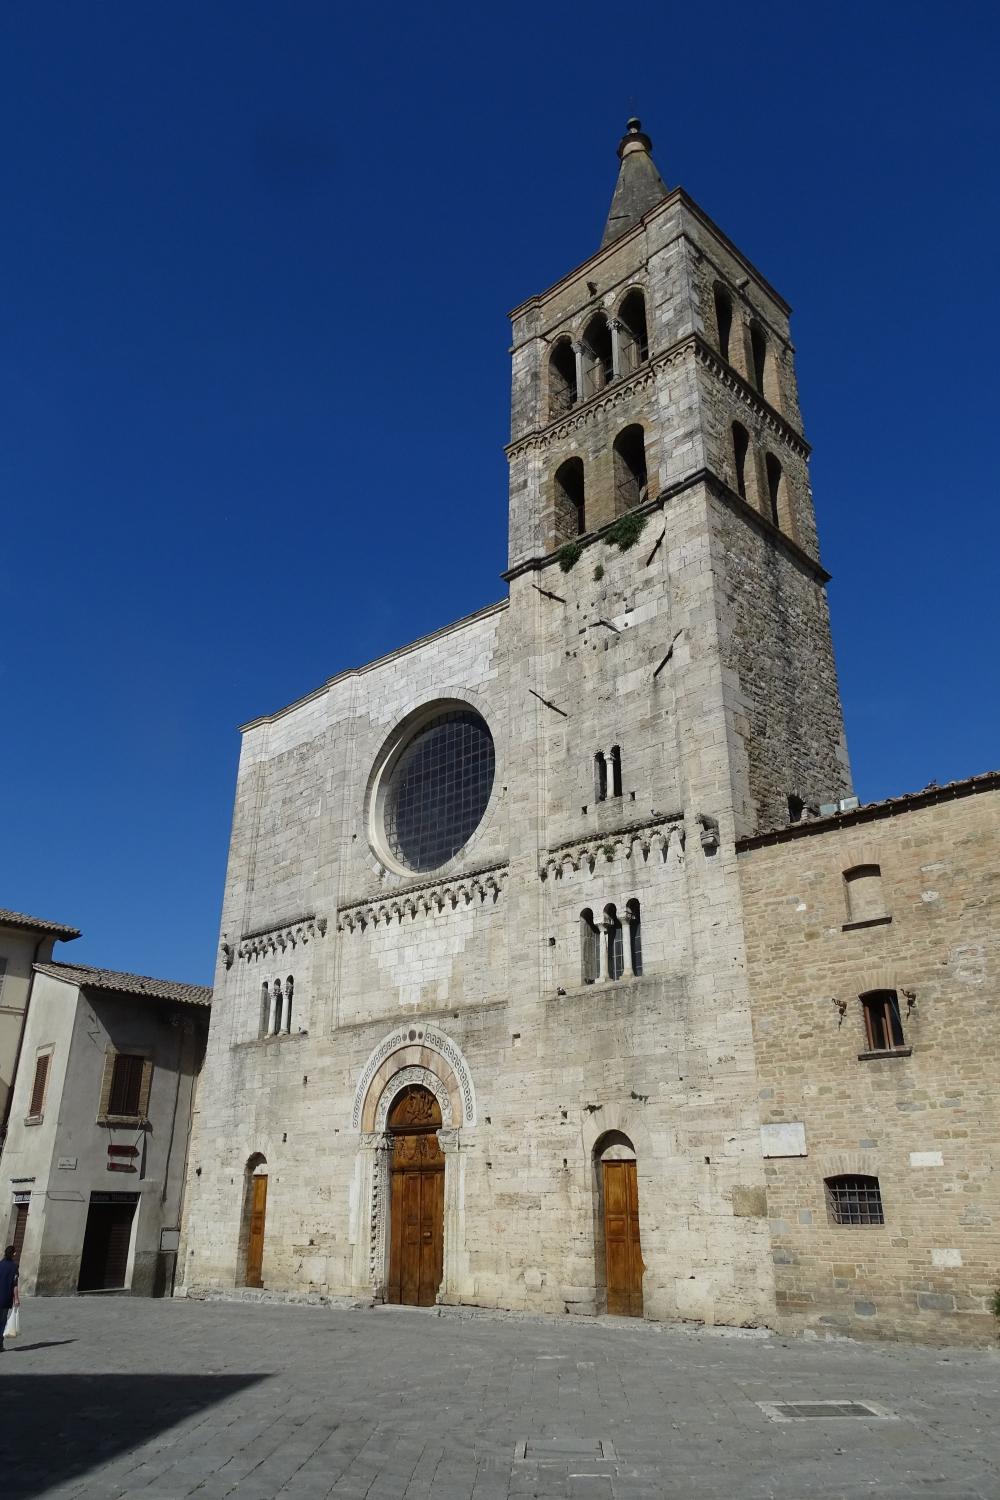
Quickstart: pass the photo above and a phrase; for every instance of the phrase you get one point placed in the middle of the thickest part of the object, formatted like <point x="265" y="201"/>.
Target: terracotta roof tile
<point x="37" y="924"/>
<point x="139" y="985"/>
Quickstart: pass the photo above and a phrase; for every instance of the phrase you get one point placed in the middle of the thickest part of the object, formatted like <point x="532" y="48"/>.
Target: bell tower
<point x="658" y="378"/>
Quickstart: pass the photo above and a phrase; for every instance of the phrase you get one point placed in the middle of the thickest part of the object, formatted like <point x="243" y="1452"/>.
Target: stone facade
<point x="923" y="1117"/>
<point x="693" y="651"/>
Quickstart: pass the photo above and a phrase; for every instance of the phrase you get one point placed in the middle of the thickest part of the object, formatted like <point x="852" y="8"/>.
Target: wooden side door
<point x="621" y="1239"/>
<point x="255" y="1240"/>
<point x="20" y="1225"/>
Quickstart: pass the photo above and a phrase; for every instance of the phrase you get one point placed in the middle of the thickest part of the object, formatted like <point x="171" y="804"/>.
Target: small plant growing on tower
<point x="608" y="851"/>
<point x="569" y="555"/>
<point x="626" y="531"/>
<point x="995" y="1304"/>
<point x="598" y="573"/>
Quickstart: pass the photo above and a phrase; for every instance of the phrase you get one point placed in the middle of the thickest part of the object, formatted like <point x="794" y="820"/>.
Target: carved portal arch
<point x="422" y="1046"/>
<point x="411" y="1054"/>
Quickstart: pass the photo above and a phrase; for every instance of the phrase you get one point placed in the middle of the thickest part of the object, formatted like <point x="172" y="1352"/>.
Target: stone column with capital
<point x="455" y="1286"/>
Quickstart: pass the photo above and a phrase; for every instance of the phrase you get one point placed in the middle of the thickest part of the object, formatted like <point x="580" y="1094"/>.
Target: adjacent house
<point x="24" y="942"/>
<point x="97" y="1140"/>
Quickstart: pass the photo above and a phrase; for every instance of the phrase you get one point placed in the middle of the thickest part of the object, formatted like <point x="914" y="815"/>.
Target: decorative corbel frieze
<point x="481" y="887"/>
<point x="634" y="841"/>
<point x="277" y="939"/>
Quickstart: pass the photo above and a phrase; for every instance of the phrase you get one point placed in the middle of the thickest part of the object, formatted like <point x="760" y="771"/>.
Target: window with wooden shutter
<point x="125" y="1097"/>
<point x="38" y="1086"/>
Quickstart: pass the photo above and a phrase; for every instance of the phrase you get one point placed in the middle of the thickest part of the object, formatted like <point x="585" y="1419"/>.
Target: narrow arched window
<point x="598" y="355"/>
<point x="616" y="952"/>
<point x="276" y="1021"/>
<point x="265" y="1008"/>
<point x="616" y="771"/>
<point x="590" y="940"/>
<point x="563" y="392"/>
<point x="773" y="487"/>
<point x="723" y="319"/>
<point x="863" y="891"/>
<point x="634" y="934"/>
<point x="633" y="335"/>
<point x="630" y="468"/>
<point x="758" y="356"/>
<point x="570" y="504"/>
<point x="600" y="777"/>
<point x="289" y="991"/>
<point x="741" y="445"/>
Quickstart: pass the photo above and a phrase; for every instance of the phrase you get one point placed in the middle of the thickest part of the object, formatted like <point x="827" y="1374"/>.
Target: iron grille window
<point x="883" y="1023"/>
<point x="854" y="1200"/>
<point x="439" y="790"/>
<point x="126" y="1085"/>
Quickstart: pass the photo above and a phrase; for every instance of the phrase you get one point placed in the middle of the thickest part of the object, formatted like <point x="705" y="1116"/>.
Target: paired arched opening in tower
<point x="775" y="488"/>
<point x="741" y="454"/>
<point x="633" y="332"/>
<point x="250" y="1257"/>
<point x="631" y="486"/>
<point x="723" y="319"/>
<point x="598" y="355"/>
<point x="563" y="391"/>
<point x="618" y="1251"/>
<point x="569" y="501"/>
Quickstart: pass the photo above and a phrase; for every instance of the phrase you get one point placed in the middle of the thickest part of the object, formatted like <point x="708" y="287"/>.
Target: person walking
<point x="9" y="1294"/>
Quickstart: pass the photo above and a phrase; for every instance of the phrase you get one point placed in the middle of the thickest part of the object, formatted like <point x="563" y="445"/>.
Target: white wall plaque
<point x="926" y="1159"/>
<point x="67" y="1164"/>
<point x="786" y="1139"/>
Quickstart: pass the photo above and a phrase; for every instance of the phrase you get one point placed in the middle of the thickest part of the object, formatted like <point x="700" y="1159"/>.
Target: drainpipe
<point x="9" y="1102"/>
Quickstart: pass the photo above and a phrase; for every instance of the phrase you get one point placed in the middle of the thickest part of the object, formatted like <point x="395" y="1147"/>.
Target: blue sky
<point x="254" y="378"/>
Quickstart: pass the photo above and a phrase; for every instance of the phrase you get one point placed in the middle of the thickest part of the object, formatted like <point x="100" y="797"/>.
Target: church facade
<point x="482" y="1027"/>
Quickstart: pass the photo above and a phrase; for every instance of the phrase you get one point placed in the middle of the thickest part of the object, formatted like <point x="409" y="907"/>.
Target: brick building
<point x="482" y="1024"/>
<point x="873" y="944"/>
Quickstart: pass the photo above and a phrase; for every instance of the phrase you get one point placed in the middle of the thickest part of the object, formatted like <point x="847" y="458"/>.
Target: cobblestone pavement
<point x="109" y="1397"/>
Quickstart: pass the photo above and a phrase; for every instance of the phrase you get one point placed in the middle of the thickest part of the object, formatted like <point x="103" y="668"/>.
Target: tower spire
<point x="639" y="187"/>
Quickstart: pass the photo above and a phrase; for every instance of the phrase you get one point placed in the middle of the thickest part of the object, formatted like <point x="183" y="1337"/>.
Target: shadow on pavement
<point x="43" y="1344"/>
<point x="60" y="1426"/>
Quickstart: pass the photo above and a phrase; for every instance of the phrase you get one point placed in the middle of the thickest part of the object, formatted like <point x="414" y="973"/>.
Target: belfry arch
<point x="411" y="1063"/>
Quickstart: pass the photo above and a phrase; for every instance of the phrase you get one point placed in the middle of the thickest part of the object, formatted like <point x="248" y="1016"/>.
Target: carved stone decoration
<point x="405" y="1079"/>
<point x="437" y="1041"/>
<point x="634" y="840"/>
<point x="275" y="939"/>
<point x="480" y="887"/>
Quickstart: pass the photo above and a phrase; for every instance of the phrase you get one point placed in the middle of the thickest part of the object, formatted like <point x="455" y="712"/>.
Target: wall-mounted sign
<point x="66" y="1163"/>
<point x="123" y="1150"/>
<point x="122" y="1166"/>
<point x="170" y="1239"/>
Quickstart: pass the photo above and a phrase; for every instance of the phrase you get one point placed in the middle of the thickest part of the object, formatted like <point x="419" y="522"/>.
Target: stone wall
<point x="924" y="1121"/>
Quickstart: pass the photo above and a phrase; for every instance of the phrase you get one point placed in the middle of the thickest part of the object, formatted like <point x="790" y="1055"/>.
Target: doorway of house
<point x="619" y="1225"/>
<point x="106" y="1242"/>
<point x="416" y="1213"/>
<point x="254" y="1218"/>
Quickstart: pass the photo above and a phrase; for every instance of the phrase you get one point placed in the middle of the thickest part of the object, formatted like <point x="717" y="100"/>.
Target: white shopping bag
<point x="13" y="1327"/>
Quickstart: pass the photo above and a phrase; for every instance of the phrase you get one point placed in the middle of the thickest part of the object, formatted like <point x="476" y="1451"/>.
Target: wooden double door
<point x="622" y="1250"/>
<point x="416" y="1209"/>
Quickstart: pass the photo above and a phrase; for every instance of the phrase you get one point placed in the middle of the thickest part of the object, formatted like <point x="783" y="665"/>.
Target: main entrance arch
<point x="416" y="1209"/>
<point x="414" y="1106"/>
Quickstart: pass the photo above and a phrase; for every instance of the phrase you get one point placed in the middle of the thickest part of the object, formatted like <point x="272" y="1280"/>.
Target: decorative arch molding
<point x="403" y="1080"/>
<point x="422" y="1047"/>
<point x="879" y="977"/>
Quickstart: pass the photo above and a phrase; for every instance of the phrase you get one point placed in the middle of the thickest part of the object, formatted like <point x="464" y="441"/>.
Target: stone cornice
<point x="422" y="899"/>
<point x="653" y="833"/>
<point x="750" y="396"/>
<point x="619" y="391"/>
<point x="720" y="488"/>
<point x="275" y="939"/>
<point x="604" y="400"/>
